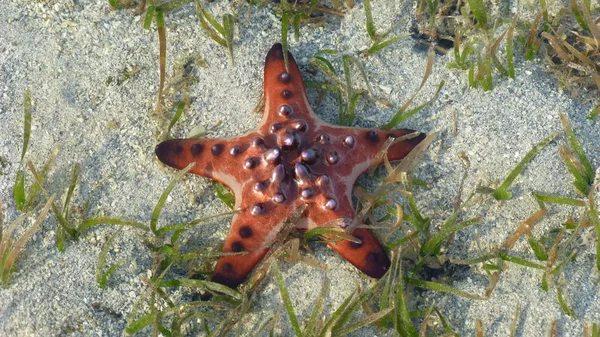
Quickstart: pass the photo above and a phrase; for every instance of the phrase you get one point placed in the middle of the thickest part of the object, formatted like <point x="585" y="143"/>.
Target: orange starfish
<point x="293" y="158"/>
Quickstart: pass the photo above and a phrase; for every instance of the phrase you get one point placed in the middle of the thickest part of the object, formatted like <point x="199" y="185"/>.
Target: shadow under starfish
<point x="292" y="159"/>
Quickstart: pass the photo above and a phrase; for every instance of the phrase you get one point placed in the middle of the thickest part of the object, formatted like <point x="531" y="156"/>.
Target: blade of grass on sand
<point x="336" y="316"/>
<point x="596" y="222"/>
<point x="515" y="321"/>
<point x="6" y="240"/>
<point x="101" y="276"/>
<point x="162" y="42"/>
<point x="557" y="199"/>
<point x="444" y="288"/>
<point x="286" y="300"/>
<point x="364" y="322"/>
<point x="176" y="117"/>
<point x="141" y="323"/>
<point x="20" y="243"/>
<point x="165" y="194"/>
<point x="595" y="112"/>
<point x="19" y="186"/>
<point x="381" y="45"/>
<point x="403" y="322"/>
<point x="433" y="245"/>
<point x="57" y="213"/>
<point x="369" y="18"/>
<point x="574" y="142"/>
<point x="59" y="240"/>
<point x="193" y="223"/>
<point x="311" y="327"/>
<point x="111" y="221"/>
<point x="149" y="16"/>
<point x="520" y="261"/>
<point x="592" y="25"/>
<point x="574" y="166"/>
<point x="285" y="22"/>
<point x="509" y="47"/>
<point x="228" y="29"/>
<point x="501" y="192"/>
<point x="563" y="301"/>
<point x="347" y="315"/>
<point x="34" y="189"/>
<point x="72" y="185"/>
<point x="533" y="42"/>
<point x="209" y="24"/>
<point x="577" y="14"/>
<point x="479" y="12"/>
<point x="399" y="116"/>
<point x="224" y="194"/>
<point x="211" y="286"/>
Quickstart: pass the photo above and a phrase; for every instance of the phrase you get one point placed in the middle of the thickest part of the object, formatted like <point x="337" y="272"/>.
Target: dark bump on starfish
<point x="278" y="198"/>
<point x="250" y="163"/>
<point x="307" y="193"/>
<point x="289" y="142"/>
<point x="178" y="149"/>
<point x="356" y="245"/>
<point x="285" y="77"/>
<point x="330" y="204"/>
<point x="278" y="174"/>
<point x="237" y="247"/>
<point x="257" y="209"/>
<point x="309" y="156"/>
<point x="275" y="127"/>
<point x="286" y="94"/>
<point x="259" y="186"/>
<point x="323" y="138"/>
<point x="300" y="125"/>
<point x="196" y="149"/>
<point x="216" y="149"/>
<point x="273" y="156"/>
<point x="285" y="110"/>
<point x="322" y="180"/>
<point x="257" y="142"/>
<point x="246" y="232"/>
<point x="349" y="141"/>
<point x="301" y="172"/>
<point x="372" y="136"/>
<point x="235" y="150"/>
<point x="333" y="158"/>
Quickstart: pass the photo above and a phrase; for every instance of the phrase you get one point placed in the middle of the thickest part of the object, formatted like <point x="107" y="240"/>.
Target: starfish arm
<point x="232" y="161"/>
<point x="245" y="237"/>
<point x="252" y="233"/>
<point x="285" y="95"/>
<point x="350" y="152"/>
<point x="368" y="256"/>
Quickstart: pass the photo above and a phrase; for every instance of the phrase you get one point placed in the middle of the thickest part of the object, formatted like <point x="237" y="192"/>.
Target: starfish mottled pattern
<point x="292" y="159"/>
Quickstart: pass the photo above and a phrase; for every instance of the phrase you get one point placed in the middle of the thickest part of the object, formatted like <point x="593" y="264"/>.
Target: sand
<point x="73" y="57"/>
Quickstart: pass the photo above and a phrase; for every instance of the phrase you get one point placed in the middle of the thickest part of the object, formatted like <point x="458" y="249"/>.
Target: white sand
<point x="66" y="52"/>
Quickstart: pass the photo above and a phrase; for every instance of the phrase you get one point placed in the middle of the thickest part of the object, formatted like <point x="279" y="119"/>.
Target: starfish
<point x="292" y="159"/>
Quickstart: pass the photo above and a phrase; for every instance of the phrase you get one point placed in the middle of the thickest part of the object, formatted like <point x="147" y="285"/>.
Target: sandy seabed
<point x="72" y="55"/>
